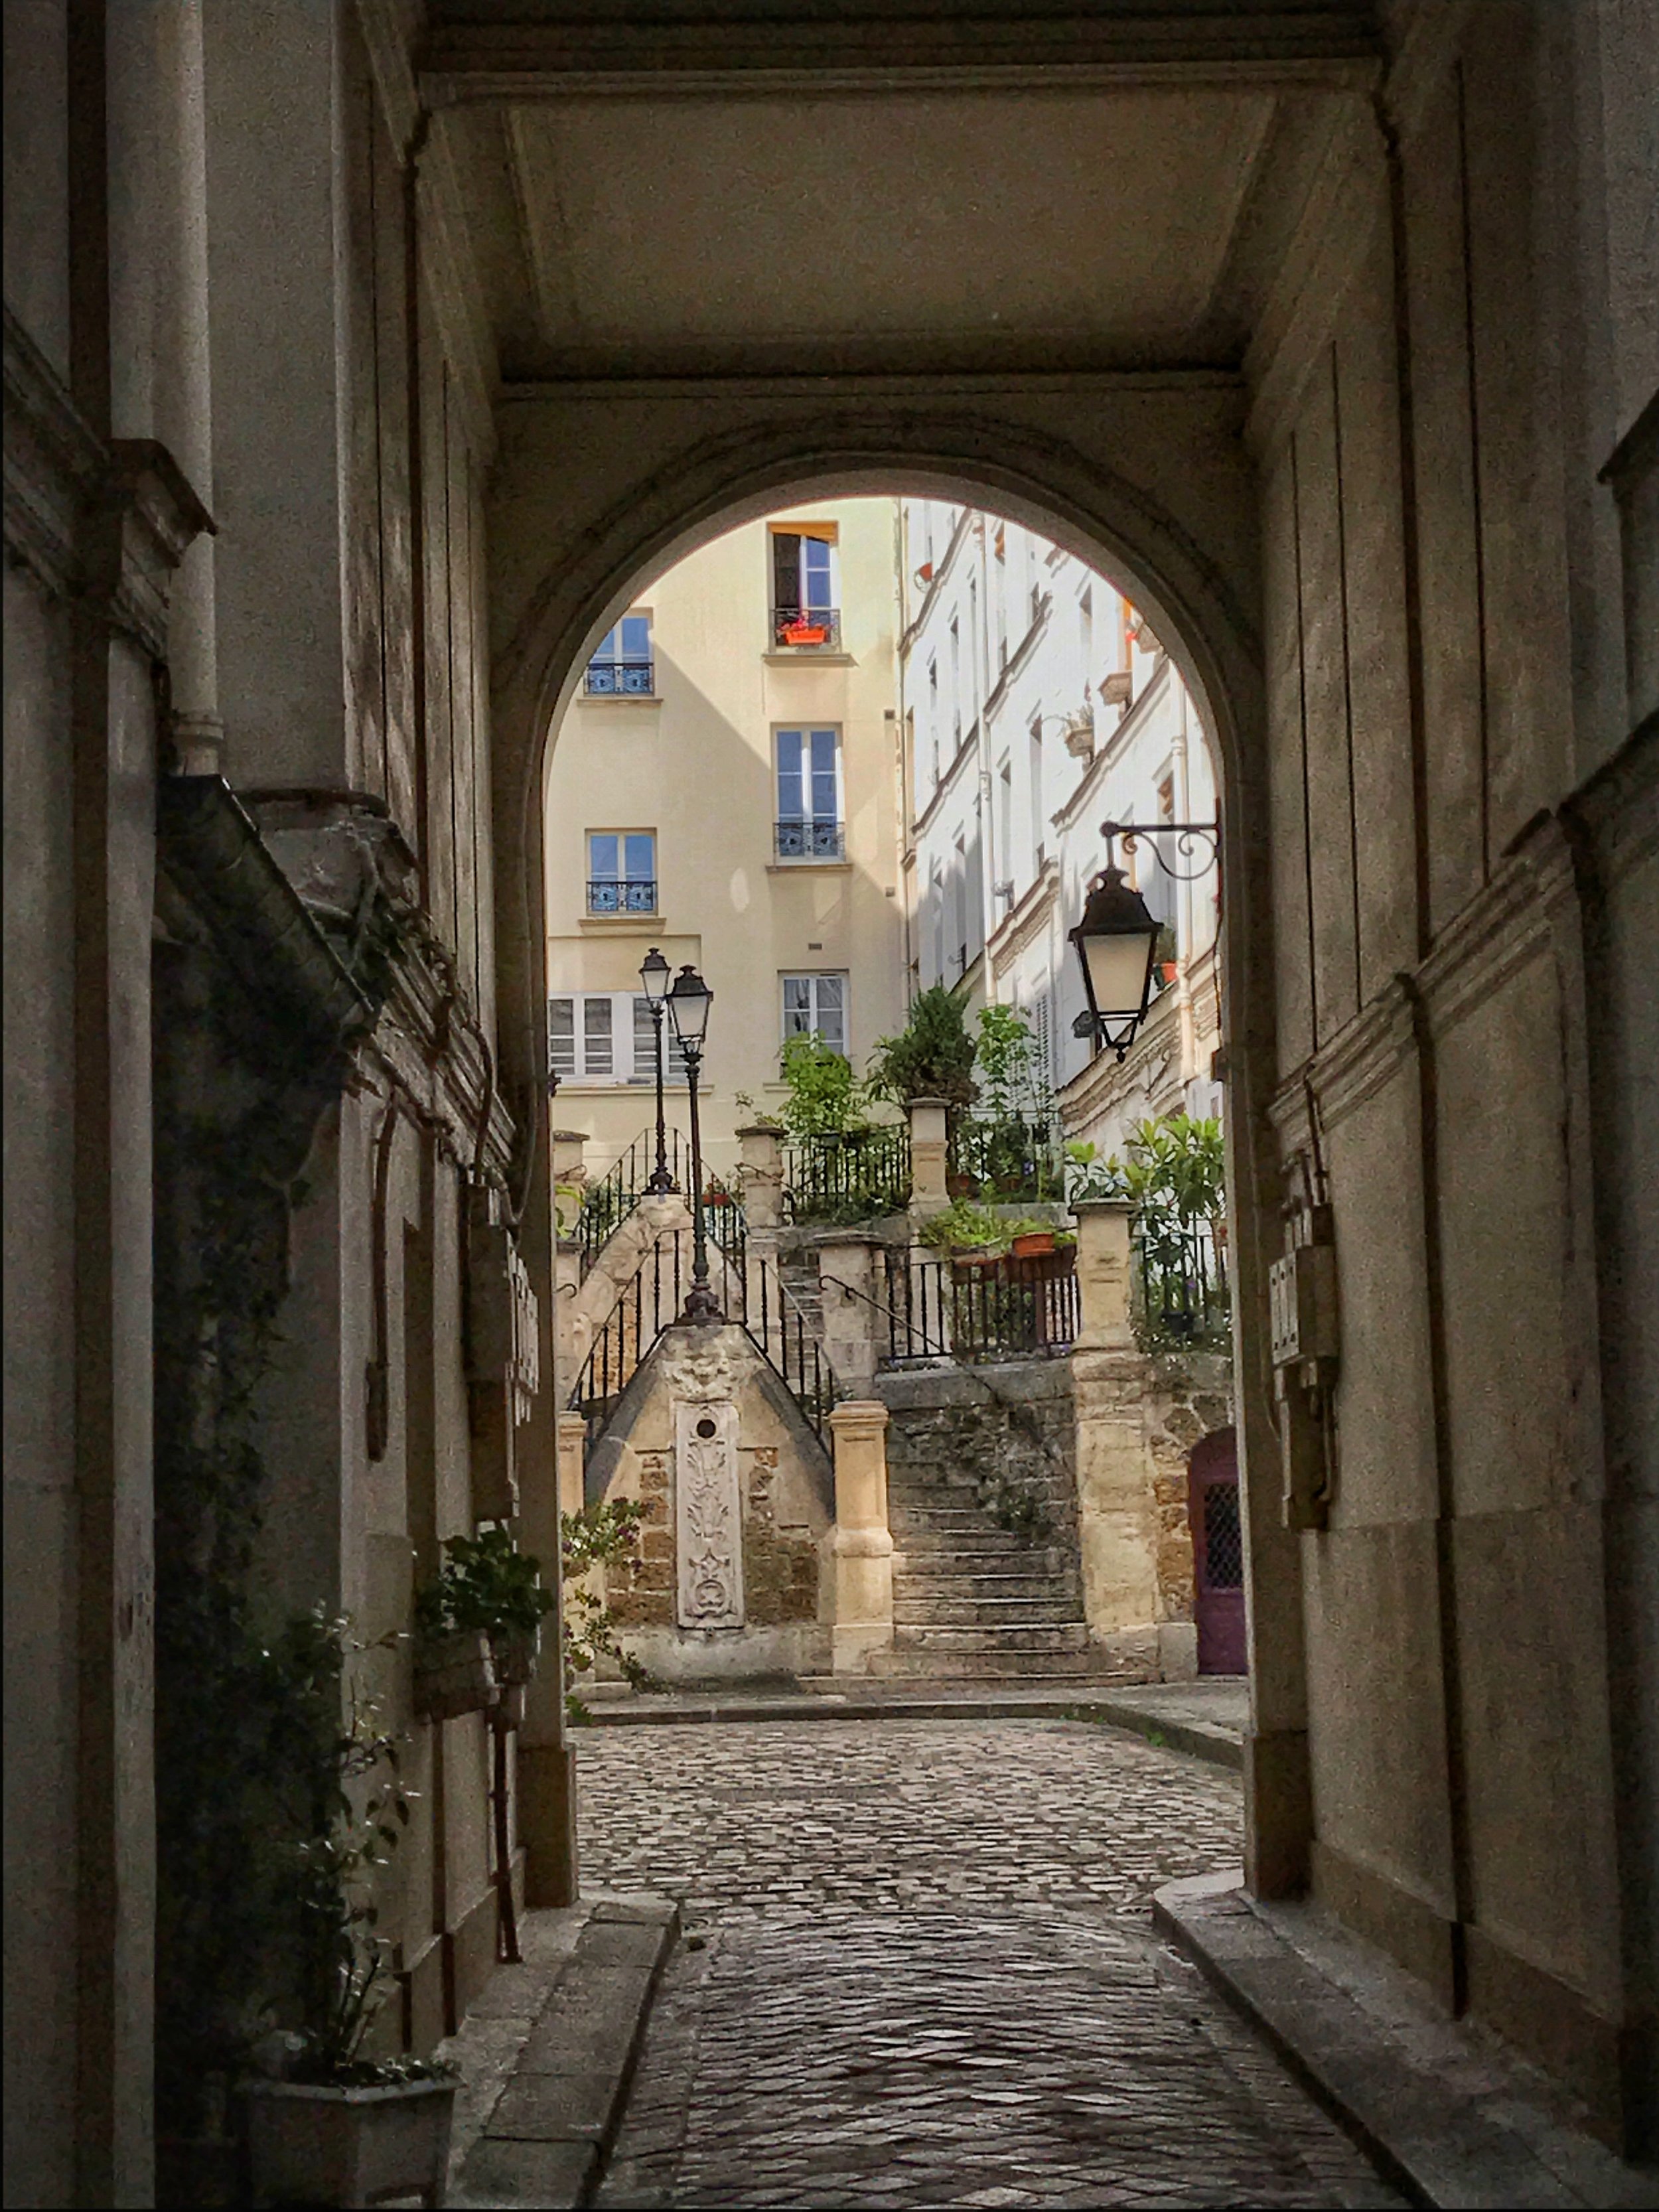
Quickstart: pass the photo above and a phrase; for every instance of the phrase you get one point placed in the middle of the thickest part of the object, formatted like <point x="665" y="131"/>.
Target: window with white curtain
<point x="605" y="1036"/>
<point x="816" y="1005"/>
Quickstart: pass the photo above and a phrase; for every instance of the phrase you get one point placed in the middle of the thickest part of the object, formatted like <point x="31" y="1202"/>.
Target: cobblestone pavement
<point x="920" y="1970"/>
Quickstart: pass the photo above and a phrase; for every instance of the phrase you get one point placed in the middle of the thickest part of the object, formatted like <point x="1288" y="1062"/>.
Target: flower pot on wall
<point x="308" y="2144"/>
<point x="1034" y="1244"/>
<point x="454" y="1674"/>
<point x="514" y="1653"/>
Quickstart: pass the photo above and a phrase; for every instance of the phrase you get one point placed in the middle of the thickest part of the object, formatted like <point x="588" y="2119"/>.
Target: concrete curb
<point x="1447" y="2116"/>
<point x="1198" y="1739"/>
<point x="552" y="2119"/>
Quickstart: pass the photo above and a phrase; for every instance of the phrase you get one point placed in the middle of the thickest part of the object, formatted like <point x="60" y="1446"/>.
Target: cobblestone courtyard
<point x="920" y="1970"/>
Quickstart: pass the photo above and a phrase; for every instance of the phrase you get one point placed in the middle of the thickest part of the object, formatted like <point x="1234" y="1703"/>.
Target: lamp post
<point x="688" y="1006"/>
<point x="654" y="974"/>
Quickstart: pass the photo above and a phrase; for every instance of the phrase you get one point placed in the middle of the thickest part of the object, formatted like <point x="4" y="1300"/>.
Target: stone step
<point x="918" y="1610"/>
<point x="1018" y="1636"/>
<point x="985" y="1667"/>
<point x="959" y="1589"/>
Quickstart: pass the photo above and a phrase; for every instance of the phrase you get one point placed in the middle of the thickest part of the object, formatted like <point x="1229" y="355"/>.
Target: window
<point x="1005" y="822"/>
<point x="621" y="662"/>
<point x="956" y="685"/>
<point x="809" y="819"/>
<point x="1037" y="852"/>
<point x="932" y="716"/>
<point x="605" y="1036"/>
<point x="959" y="903"/>
<point x="816" y="1005"/>
<point x="621" y="872"/>
<point x="805" y="614"/>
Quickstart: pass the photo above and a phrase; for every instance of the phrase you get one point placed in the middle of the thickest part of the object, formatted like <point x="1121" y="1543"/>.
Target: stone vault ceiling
<point x="694" y="189"/>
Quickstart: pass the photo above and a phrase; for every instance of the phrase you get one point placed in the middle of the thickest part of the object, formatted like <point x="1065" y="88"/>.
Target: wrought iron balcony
<point x="622" y="895"/>
<point x="809" y="841"/>
<point x="611" y="679"/>
<point x="806" y="629"/>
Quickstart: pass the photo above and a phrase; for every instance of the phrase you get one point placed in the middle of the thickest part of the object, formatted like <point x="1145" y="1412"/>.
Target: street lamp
<point x="1116" y="940"/>
<point x="688" y="1006"/>
<point x="654" y="974"/>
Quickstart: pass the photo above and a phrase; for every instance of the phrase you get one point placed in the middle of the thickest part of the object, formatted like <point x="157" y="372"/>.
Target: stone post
<point x="928" y="1195"/>
<point x="1117" y="1523"/>
<point x="573" y="1445"/>
<point x="1102" y="1273"/>
<point x="760" y="1173"/>
<point x="856" y="1598"/>
<point x="854" y="1324"/>
<point x="569" y="1175"/>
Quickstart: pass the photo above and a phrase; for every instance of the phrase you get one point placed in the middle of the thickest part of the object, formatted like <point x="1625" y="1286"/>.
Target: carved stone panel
<point x="708" y="1515"/>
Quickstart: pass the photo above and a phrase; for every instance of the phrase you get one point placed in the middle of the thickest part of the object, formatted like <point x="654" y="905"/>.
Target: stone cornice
<point x="55" y="462"/>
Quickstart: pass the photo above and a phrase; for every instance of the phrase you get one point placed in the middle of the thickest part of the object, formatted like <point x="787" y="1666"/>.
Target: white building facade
<point x="1036" y="703"/>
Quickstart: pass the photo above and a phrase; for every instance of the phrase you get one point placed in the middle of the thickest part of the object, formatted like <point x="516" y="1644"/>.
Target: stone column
<point x="856" y="1591"/>
<point x="760" y="1173"/>
<point x="569" y="1174"/>
<point x="573" y="1444"/>
<point x="853" y="1325"/>
<point x="1117" y="1532"/>
<point x="928" y="1195"/>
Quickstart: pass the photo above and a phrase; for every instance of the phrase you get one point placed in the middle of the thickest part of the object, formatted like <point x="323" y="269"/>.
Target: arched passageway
<point x="1159" y="496"/>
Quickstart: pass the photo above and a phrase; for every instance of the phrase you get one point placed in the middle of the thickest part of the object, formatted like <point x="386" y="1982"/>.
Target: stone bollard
<point x="573" y="1445"/>
<point x="854" y="1323"/>
<point x="928" y="1154"/>
<point x="856" y="1585"/>
<point x="760" y="1173"/>
<point x="1102" y="1273"/>
<point x="569" y="1178"/>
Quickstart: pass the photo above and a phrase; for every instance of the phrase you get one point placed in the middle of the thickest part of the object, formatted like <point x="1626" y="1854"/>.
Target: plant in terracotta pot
<point x="326" y="2123"/>
<point x="488" y="1588"/>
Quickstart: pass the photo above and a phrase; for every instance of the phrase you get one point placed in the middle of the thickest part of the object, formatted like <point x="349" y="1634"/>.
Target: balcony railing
<point x="809" y="841"/>
<point x="610" y="679"/>
<point x="617" y="895"/>
<point x="806" y="629"/>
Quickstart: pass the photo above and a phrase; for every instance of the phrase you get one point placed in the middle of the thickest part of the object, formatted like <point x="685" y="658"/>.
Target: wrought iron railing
<point x="613" y="679"/>
<point x="796" y="630"/>
<point x="983" y="1310"/>
<point x="781" y="1330"/>
<point x="858" y="1175"/>
<point x="1178" y="1283"/>
<point x="809" y="841"/>
<point x="608" y="1203"/>
<point x="1006" y="1156"/>
<point x="622" y="895"/>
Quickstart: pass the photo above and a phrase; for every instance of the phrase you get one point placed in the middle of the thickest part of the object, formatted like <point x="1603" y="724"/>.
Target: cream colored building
<point x="724" y="788"/>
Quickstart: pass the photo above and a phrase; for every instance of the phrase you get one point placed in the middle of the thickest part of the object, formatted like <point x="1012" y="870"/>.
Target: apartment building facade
<point x="722" y="788"/>
<point x="1038" y="703"/>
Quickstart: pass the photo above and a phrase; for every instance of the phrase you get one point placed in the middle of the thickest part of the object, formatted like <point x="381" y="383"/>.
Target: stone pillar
<point x="928" y="1195"/>
<point x="760" y="1173"/>
<point x="1102" y="1273"/>
<point x="1117" y="1531"/>
<point x="854" y="1324"/>
<point x="570" y="1338"/>
<point x="856" y="1586"/>
<point x="572" y="1445"/>
<point x="570" y="1177"/>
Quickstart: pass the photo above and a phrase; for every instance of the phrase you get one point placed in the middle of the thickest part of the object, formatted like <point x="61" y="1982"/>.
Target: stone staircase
<point x="973" y="1601"/>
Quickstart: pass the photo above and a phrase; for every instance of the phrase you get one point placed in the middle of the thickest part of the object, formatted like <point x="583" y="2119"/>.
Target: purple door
<point x="1213" y="1504"/>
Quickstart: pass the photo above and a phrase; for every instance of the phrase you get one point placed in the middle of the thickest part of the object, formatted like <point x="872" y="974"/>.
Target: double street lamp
<point x="688" y="1005"/>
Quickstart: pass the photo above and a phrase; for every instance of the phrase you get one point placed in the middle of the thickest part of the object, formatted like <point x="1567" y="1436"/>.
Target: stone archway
<point x="1148" y="479"/>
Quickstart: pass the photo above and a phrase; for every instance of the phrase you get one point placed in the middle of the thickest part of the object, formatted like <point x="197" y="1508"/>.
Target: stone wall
<point x="1013" y="1425"/>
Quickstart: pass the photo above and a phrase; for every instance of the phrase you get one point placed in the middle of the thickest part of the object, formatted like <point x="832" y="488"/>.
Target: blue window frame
<point x="621" y="872"/>
<point x="622" y="661"/>
<point x="809" y="826"/>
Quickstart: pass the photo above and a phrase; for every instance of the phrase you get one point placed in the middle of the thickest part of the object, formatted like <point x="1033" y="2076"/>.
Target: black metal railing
<point x="779" y="1329"/>
<point x="647" y="1304"/>
<point x="796" y="630"/>
<point x="854" y="1175"/>
<point x="622" y="895"/>
<point x="980" y="1310"/>
<point x="1004" y="1156"/>
<point x="809" y="841"/>
<point x="608" y="1203"/>
<point x="1178" y="1283"/>
<point x="609" y="679"/>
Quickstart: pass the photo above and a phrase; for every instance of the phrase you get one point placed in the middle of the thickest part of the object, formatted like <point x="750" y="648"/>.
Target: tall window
<point x="816" y="1005"/>
<point x="933" y="717"/>
<point x="1000" y="586"/>
<point x="1037" y="849"/>
<point x="956" y="684"/>
<point x="621" y="872"/>
<point x="959" y="904"/>
<point x="622" y="661"/>
<point x="1005" y="822"/>
<point x="805" y="613"/>
<point x="645" y="1047"/>
<point x="972" y="653"/>
<point x="809" y="817"/>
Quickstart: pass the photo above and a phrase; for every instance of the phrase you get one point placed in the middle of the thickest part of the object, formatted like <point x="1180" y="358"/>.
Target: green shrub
<point x="932" y="1056"/>
<point x="823" y="1094"/>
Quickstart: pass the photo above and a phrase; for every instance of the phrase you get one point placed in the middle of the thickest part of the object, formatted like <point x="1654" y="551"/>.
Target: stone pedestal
<point x="573" y="1442"/>
<point x="1102" y="1273"/>
<point x="928" y="1153"/>
<point x="760" y="1175"/>
<point x="856" y="1585"/>
<point x="852" y="1284"/>
<point x="569" y="1178"/>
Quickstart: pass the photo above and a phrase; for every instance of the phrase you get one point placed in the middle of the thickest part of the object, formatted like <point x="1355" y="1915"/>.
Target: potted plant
<point x="1032" y="1244"/>
<point x="455" y="1666"/>
<point x="802" y="631"/>
<point x="326" y="2124"/>
<point x="489" y="1593"/>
